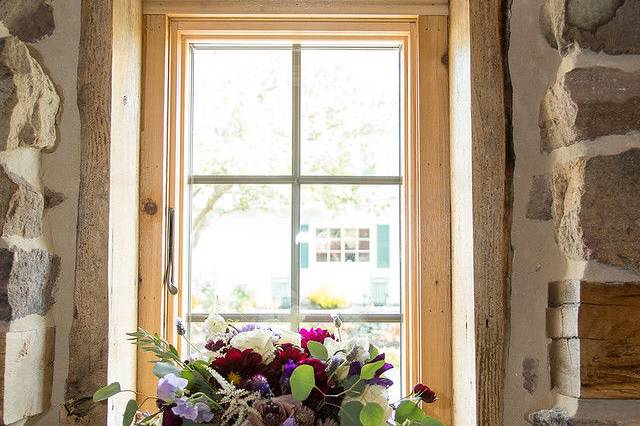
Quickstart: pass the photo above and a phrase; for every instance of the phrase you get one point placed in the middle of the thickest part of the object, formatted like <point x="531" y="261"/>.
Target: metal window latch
<point x="168" y="271"/>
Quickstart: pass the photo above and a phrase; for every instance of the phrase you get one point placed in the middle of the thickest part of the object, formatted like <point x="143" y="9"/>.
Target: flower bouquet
<point x="254" y="375"/>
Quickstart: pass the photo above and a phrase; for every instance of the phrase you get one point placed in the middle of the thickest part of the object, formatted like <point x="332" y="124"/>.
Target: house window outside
<point x="295" y="187"/>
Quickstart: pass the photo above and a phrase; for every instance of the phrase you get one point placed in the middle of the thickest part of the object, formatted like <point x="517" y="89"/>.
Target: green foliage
<point x="369" y="370"/>
<point x="302" y="382"/>
<point x="350" y="414"/>
<point x="373" y="352"/>
<point x="408" y="410"/>
<point x="372" y="415"/>
<point x="164" y="352"/>
<point x="106" y="392"/>
<point x="161" y="369"/>
<point x="129" y="412"/>
<point x="430" y="421"/>
<point x="318" y="350"/>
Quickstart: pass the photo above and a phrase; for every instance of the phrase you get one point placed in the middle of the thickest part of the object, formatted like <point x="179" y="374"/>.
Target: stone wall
<point x="573" y="356"/>
<point x="38" y="192"/>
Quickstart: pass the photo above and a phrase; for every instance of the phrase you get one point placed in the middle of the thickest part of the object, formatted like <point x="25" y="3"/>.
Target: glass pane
<point x="241" y="112"/>
<point x="240" y="248"/>
<point x="385" y="336"/>
<point x="350" y="282"/>
<point x="350" y="112"/>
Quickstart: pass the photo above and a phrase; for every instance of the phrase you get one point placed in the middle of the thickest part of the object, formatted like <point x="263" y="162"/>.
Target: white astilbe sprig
<point x="237" y="402"/>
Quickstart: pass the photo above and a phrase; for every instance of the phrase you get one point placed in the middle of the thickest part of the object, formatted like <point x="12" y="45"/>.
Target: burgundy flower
<point x="214" y="345"/>
<point x="285" y="354"/>
<point x="314" y="334"/>
<point x="171" y="419"/>
<point x="238" y="366"/>
<point x="319" y="370"/>
<point x="425" y="393"/>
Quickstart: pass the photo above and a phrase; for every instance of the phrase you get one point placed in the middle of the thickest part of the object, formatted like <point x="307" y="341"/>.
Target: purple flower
<point x="204" y="413"/>
<point x="290" y="422"/>
<point x="185" y="409"/>
<point x="356" y="367"/>
<point x="169" y="386"/>
<point x="260" y="384"/>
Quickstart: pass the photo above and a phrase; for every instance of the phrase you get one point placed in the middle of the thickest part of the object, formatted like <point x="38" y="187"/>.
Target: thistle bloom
<point x="170" y="387"/>
<point x="180" y="327"/>
<point x="425" y="393"/>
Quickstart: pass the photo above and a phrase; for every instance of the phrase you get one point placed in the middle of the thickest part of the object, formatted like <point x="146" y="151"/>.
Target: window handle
<point x="168" y="271"/>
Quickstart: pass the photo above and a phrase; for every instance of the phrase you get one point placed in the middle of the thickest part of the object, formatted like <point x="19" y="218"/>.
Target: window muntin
<point x="342" y="244"/>
<point x="264" y="209"/>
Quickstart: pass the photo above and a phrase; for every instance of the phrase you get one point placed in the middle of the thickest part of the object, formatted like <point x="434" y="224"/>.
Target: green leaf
<point x="372" y="415"/>
<point x="106" y="392"/>
<point x="350" y="414"/>
<point x="430" y="421"/>
<point x="409" y="410"/>
<point x="369" y="370"/>
<point x="318" y="350"/>
<point x="373" y="352"/>
<point x="161" y="369"/>
<point x="302" y="382"/>
<point x="129" y="412"/>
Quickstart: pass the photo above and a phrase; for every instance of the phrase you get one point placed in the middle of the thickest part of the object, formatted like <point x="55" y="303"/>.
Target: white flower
<point x="214" y="325"/>
<point x="359" y="346"/>
<point x="287" y="336"/>
<point x="260" y="340"/>
<point x="376" y="394"/>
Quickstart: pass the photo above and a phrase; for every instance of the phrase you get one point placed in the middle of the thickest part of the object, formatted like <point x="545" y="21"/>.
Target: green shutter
<point x="304" y="249"/>
<point x="383" y="246"/>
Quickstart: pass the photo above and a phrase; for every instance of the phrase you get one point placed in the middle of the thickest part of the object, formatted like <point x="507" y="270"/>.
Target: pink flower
<point x="314" y="334"/>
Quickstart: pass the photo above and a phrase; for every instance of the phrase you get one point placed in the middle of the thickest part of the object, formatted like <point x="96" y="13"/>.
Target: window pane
<point x="240" y="242"/>
<point x="350" y="112"/>
<point x="241" y="112"/>
<point x="385" y="336"/>
<point x="350" y="282"/>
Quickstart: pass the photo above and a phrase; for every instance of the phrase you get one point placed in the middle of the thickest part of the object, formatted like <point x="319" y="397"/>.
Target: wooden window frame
<point x="428" y="303"/>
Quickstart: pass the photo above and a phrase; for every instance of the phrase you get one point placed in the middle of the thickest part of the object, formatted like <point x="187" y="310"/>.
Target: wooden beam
<point x="296" y="7"/>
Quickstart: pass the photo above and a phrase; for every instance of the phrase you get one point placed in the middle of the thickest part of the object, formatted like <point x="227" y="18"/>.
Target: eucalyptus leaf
<point x="302" y="382"/>
<point x="350" y="414"/>
<point x="430" y="421"/>
<point x="369" y="370"/>
<point x="372" y="415"/>
<point x="373" y="351"/>
<point x="129" y="412"/>
<point x="106" y="392"/>
<point x="318" y="350"/>
<point x="161" y="369"/>
<point x="409" y="410"/>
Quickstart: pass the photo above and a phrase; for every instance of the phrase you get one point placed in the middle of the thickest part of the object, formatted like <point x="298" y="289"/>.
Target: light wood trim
<point x="296" y="7"/>
<point x="434" y="213"/>
<point x="153" y="181"/>
<point x="427" y="214"/>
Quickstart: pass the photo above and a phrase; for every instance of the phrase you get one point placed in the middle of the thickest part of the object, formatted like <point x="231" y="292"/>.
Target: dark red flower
<point x="214" y="345"/>
<point x="238" y="366"/>
<point x="319" y="371"/>
<point x="285" y="354"/>
<point x="425" y="393"/>
<point x="314" y="334"/>
<point x="170" y="419"/>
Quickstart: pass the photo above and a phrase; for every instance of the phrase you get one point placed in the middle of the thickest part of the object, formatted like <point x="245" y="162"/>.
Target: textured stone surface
<point x="28" y="100"/>
<point x="600" y="25"/>
<point x="587" y="103"/>
<point x="29" y="20"/>
<point x="24" y="216"/>
<point x="540" y="198"/>
<point x="530" y="374"/>
<point x="27" y="361"/>
<point x="7" y="189"/>
<point x="53" y="198"/>
<point x="596" y="209"/>
<point x="559" y="417"/>
<point x="27" y="282"/>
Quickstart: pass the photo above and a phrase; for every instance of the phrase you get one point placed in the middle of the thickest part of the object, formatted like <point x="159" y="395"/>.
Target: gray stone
<point x="560" y="417"/>
<point x="599" y="25"/>
<point x="530" y="374"/>
<point x="7" y="189"/>
<point x="587" y="103"/>
<point x="540" y="198"/>
<point x="24" y="216"/>
<point x="53" y="198"/>
<point x="596" y="209"/>
<point x="29" y="20"/>
<point x="28" y="100"/>
<point x="27" y="282"/>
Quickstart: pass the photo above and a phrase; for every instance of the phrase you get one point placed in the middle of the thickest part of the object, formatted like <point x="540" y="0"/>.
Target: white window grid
<point x="346" y="245"/>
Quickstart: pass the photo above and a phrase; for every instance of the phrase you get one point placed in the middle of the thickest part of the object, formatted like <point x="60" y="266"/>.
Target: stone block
<point x="24" y="216"/>
<point x="596" y="209"/>
<point x="7" y="190"/>
<point x="29" y="20"/>
<point x="586" y="103"/>
<point x="28" y="100"/>
<point x="595" y="327"/>
<point x="560" y="417"/>
<point x="599" y="25"/>
<point x="540" y="198"/>
<point x="27" y="282"/>
<point x="27" y="361"/>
